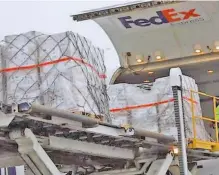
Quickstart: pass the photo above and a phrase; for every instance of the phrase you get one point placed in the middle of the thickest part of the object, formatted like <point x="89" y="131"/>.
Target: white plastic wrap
<point x="166" y="111"/>
<point x="154" y="109"/>
<point x="69" y="75"/>
<point x="15" y="54"/>
<point x="128" y="97"/>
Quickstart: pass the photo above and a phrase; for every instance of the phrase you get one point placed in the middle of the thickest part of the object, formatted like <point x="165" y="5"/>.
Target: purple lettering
<point x="160" y="19"/>
<point x="156" y="20"/>
<point x="142" y="22"/>
<point x="126" y="22"/>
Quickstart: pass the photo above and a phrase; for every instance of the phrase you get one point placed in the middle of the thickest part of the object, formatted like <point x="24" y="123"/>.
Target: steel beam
<point x="105" y="130"/>
<point x="159" y="137"/>
<point x="175" y="82"/>
<point x="63" y="114"/>
<point x="75" y="146"/>
<point x="33" y="154"/>
<point x="131" y="171"/>
<point x="94" y="123"/>
<point x="116" y="9"/>
<point x="160" y="166"/>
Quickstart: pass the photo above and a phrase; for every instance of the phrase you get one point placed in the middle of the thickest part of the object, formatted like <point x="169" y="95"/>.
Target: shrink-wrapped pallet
<point x="153" y="110"/>
<point x="16" y="52"/>
<point x="166" y="113"/>
<point x="127" y="104"/>
<point x="62" y="70"/>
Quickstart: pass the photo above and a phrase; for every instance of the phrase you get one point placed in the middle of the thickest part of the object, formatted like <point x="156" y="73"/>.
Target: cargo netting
<point x="62" y="70"/>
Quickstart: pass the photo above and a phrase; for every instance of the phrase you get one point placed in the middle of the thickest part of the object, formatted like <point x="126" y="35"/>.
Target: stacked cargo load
<point x="153" y="109"/>
<point x="63" y="70"/>
<point x="133" y="105"/>
<point x="165" y="111"/>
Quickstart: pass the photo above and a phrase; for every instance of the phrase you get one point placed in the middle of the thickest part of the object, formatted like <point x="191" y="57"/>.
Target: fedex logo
<point x="164" y="16"/>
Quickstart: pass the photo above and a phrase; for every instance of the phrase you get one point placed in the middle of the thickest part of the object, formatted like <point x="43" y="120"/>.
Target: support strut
<point x="175" y="81"/>
<point x="33" y="154"/>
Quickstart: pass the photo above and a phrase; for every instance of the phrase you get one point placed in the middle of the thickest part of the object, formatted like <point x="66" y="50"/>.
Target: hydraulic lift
<point x="74" y="144"/>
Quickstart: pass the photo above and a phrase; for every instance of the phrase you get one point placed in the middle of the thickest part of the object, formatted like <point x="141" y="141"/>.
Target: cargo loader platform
<point x="51" y="142"/>
<point x="66" y="142"/>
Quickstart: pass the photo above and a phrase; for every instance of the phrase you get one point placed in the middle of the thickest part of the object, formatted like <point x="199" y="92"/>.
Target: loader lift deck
<point x="50" y="147"/>
<point x="52" y="144"/>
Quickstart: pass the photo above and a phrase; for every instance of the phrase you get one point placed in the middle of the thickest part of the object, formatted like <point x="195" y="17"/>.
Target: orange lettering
<point x="170" y="16"/>
<point x="189" y="14"/>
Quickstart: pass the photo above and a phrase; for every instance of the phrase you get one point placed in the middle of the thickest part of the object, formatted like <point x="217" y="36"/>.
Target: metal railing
<point x="204" y="118"/>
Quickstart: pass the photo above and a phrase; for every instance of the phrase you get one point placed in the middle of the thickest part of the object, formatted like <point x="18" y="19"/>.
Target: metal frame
<point x="175" y="81"/>
<point x="195" y="143"/>
<point x="133" y="171"/>
<point x="90" y="148"/>
<point x="149" y="167"/>
<point x="160" y="167"/>
<point x="33" y="154"/>
<point x="90" y="122"/>
<point x="32" y="146"/>
<point x="62" y="144"/>
<point x="108" y="11"/>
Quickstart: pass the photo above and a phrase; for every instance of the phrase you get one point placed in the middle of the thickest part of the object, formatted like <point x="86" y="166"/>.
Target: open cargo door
<point x="152" y="37"/>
